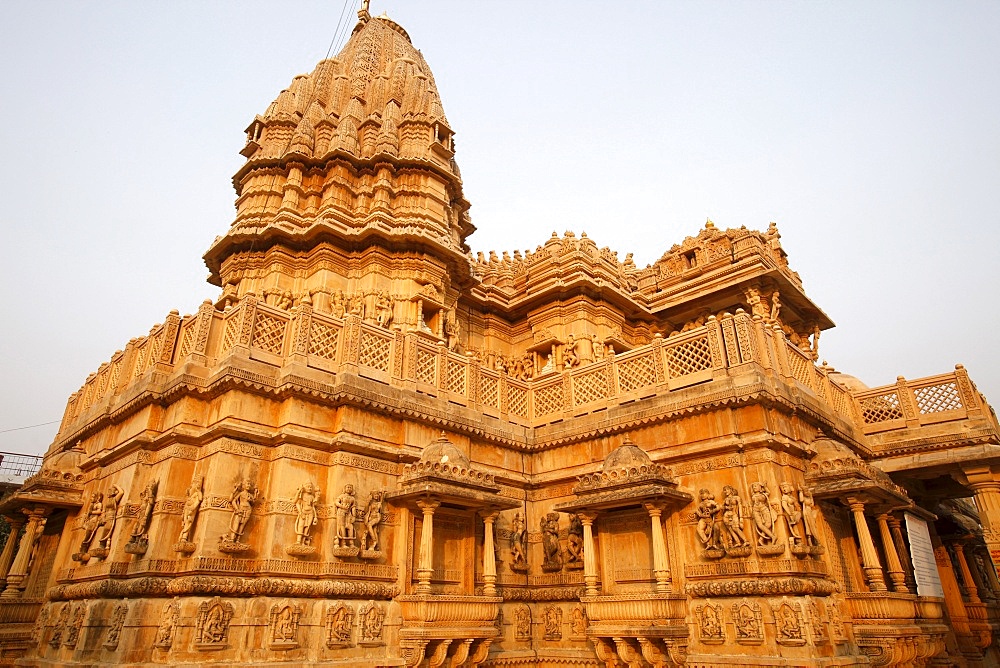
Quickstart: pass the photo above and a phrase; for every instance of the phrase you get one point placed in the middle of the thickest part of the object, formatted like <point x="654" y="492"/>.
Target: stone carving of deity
<point x="550" y="543"/>
<point x="92" y="523"/>
<point x="793" y="512"/>
<point x="553" y="623"/>
<point x="147" y="500"/>
<point x="241" y="502"/>
<point x="192" y="504"/>
<point x="371" y="519"/>
<point x="732" y="517"/>
<point x="346" y="507"/>
<point x="383" y="310"/>
<point x="168" y="622"/>
<point x="522" y="622"/>
<point x="518" y="544"/>
<point x="339" y="623"/>
<point x="574" y="543"/>
<point x="706" y="512"/>
<point x="760" y="510"/>
<point x="306" y="498"/>
<point x="109" y="515"/>
<point x="808" y="516"/>
<point x="115" y="628"/>
<point x="337" y="307"/>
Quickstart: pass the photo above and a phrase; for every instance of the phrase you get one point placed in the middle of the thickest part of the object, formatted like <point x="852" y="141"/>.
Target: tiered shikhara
<point x="375" y="449"/>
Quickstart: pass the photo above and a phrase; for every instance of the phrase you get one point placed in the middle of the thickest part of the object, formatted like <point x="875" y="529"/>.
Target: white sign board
<point x="922" y="554"/>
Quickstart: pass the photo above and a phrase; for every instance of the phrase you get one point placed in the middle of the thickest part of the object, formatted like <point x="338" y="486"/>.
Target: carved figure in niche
<point x="75" y="625"/>
<point x="192" y="504"/>
<point x="306" y="498"/>
<point x="550" y="543"/>
<point x="109" y="516"/>
<point x="574" y="543"/>
<point x="91" y="525"/>
<point x="339" y="623"/>
<point x="808" y="516"/>
<point x="550" y="365"/>
<point x="357" y="305"/>
<point x="775" y="306"/>
<point x="284" y="625"/>
<point x="383" y="310"/>
<point x="760" y="510"/>
<point x="706" y="511"/>
<point x="212" y="625"/>
<point x="337" y="306"/>
<point x="370" y="622"/>
<point x="732" y="519"/>
<point x="139" y="541"/>
<point x="452" y="330"/>
<point x="747" y="619"/>
<point x="816" y="622"/>
<point x="168" y="622"/>
<point x="39" y="626"/>
<point x="583" y="347"/>
<point x="570" y="358"/>
<point x="522" y="622"/>
<point x="598" y="348"/>
<point x="117" y="623"/>
<point x="578" y="621"/>
<point x="371" y="519"/>
<point x="710" y="623"/>
<point x="793" y="512"/>
<point x="346" y="507"/>
<point x="788" y="624"/>
<point x="553" y="623"/>
<point x="836" y="621"/>
<point x="518" y="544"/>
<point x="241" y="502"/>
<point x="62" y="620"/>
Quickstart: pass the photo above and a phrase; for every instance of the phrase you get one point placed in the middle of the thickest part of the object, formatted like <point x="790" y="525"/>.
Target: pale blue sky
<point x="868" y="131"/>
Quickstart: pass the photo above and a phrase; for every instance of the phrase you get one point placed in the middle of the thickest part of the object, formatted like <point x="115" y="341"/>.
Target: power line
<point x="30" y="426"/>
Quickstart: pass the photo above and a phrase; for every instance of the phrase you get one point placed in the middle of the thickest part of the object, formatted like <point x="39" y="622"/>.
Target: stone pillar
<point x="903" y="550"/>
<point x="963" y="566"/>
<point x="589" y="557"/>
<point x="7" y="556"/>
<point x="661" y="567"/>
<point x="893" y="565"/>
<point x="19" y="568"/>
<point x="869" y="556"/>
<point x="986" y="488"/>
<point x="489" y="554"/>
<point x="425" y="566"/>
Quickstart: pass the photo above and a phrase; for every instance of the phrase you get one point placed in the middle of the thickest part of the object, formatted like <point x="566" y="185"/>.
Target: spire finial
<point x="363" y="15"/>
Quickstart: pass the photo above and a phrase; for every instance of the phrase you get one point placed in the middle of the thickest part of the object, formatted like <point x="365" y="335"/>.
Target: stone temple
<point x="375" y="449"/>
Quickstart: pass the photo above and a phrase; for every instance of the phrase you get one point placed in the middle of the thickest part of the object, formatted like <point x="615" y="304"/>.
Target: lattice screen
<point x="938" y="398"/>
<point x="517" y="401"/>
<point x="229" y="337"/>
<point x="374" y="351"/>
<point x="426" y="366"/>
<point x="456" y="377"/>
<point x="689" y="357"/>
<point x="140" y="360"/>
<point x="323" y="340"/>
<point x="882" y="408"/>
<point x="589" y="387"/>
<point x="636" y="373"/>
<point x="801" y="368"/>
<point x="549" y="400"/>
<point x="187" y="339"/>
<point x="268" y="333"/>
<point x="489" y="391"/>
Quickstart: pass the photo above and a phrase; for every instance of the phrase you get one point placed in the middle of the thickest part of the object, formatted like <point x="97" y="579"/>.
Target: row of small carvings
<point x="64" y="624"/>
<point x="224" y="566"/>
<point x="745" y="622"/>
<point x="102" y="515"/>
<point x="720" y="527"/>
<point x="549" y="622"/>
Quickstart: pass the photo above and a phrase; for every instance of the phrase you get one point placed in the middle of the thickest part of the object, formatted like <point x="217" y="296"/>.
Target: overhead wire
<point x="30" y="426"/>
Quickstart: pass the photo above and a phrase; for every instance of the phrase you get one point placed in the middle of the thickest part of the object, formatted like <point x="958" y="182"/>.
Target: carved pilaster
<point x="869" y="556"/>
<point x="893" y="564"/>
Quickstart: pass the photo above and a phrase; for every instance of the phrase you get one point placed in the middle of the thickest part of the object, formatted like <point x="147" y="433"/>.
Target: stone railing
<point x="916" y="403"/>
<point x="416" y="360"/>
<point x="882" y="606"/>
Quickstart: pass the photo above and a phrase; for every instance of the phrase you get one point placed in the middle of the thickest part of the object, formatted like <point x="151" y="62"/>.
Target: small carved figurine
<point x="306" y="498"/>
<point x="241" y="502"/>
<point x="760" y="509"/>
<point x="706" y="511"/>
<point x="732" y="517"/>
<point x="518" y="543"/>
<point x="550" y="543"/>
<point x="574" y="543"/>
<point x="109" y="515"/>
<point x="808" y="516"/>
<point x="383" y="310"/>
<point x="371" y="520"/>
<point x="793" y="511"/>
<point x="346" y="506"/>
<point x="192" y="504"/>
<point x="93" y="521"/>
